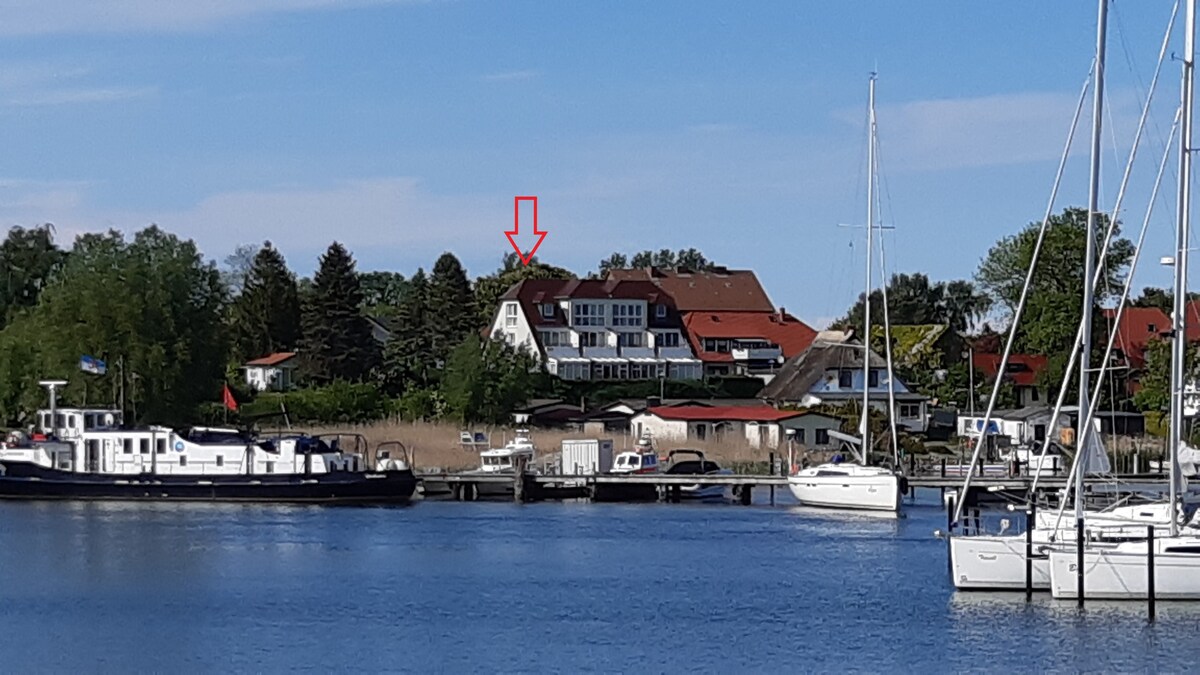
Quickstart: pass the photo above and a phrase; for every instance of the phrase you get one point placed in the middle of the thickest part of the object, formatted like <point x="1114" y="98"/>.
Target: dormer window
<point x="873" y="378"/>
<point x="547" y="310"/>
<point x="845" y="379"/>
<point x="1152" y="328"/>
<point x="660" y="311"/>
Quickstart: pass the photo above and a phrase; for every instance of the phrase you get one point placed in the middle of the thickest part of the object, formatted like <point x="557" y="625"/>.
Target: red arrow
<point x="517" y="229"/>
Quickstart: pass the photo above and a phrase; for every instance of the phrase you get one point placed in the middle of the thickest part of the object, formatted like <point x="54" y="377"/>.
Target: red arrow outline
<point x="517" y="229"/>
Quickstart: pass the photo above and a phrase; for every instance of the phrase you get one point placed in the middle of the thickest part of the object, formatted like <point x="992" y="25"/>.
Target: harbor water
<point x="570" y="587"/>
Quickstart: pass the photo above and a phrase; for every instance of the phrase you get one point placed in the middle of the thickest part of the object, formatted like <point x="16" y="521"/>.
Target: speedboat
<point x="642" y="459"/>
<point x="701" y="467"/>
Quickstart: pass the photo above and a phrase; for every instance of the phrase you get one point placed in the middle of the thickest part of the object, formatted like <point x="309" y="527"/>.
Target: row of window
<point x="725" y="345"/>
<point x="627" y="371"/>
<point x="821" y="436"/>
<point x="554" y="338"/>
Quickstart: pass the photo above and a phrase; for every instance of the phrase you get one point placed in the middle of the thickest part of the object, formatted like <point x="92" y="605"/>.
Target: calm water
<point x="449" y="587"/>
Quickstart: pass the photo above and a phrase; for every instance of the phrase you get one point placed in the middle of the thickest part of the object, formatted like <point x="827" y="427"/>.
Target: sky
<point x="405" y="128"/>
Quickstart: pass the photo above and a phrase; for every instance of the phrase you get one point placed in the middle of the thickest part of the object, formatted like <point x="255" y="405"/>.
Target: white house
<point x="591" y="329"/>
<point x="275" y="372"/>
<point x="759" y="425"/>
<point x="831" y="371"/>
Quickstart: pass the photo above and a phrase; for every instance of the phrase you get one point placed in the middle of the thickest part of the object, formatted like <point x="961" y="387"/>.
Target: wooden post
<point x="746" y="495"/>
<point x="1030" y="519"/>
<point x="1150" y="570"/>
<point x="676" y="494"/>
<point x="943" y="467"/>
<point x="519" y="480"/>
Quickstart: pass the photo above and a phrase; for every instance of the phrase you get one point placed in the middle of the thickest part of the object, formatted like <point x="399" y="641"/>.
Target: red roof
<point x="272" y="360"/>
<point x="791" y="334"/>
<point x="1023" y="369"/>
<point x="717" y="289"/>
<point x="732" y="413"/>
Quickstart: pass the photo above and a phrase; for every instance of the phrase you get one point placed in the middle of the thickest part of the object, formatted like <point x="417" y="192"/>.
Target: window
<point x="591" y="339"/>
<point x="554" y="338"/>
<point x="629" y="339"/>
<point x="1033" y="394"/>
<point x="70" y="421"/>
<point x="716" y="345"/>
<point x="510" y="315"/>
<point x="585" y="314"/>
<point x="144" y="446"/>
<point x="822" y="437"/>
<point x="800" y="436"/>
<point x="127" y="446"/>
<point x="547" y="310"/>
<point x="873" y="378"/>
<point x="183" y="460"/>
<point x="220" y="460"/>
<point x="270" y="467"/>
<point x="160" y="446"/>
<point x="910" y="410"/>
<point x="701" y="431"/>
<point x="1152" y="328"/>
<point x="845" y="379"/>
<point x="627" y="315"/>
<point x="667" y="339"/>
<point x="660" y="311"/>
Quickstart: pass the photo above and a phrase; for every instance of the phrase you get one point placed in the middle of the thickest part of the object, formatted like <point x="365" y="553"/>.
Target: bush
<point x="336" y="403"/>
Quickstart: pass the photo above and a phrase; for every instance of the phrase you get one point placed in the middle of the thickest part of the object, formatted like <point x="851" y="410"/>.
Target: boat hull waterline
<point x="26" y="481"/>
<point x="879" y="492"/>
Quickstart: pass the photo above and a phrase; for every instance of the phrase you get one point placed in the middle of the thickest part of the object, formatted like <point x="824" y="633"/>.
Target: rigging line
<point x="1085" y="423"/>
<point x="887" y="335"/>
<point x="1020" y="308"/>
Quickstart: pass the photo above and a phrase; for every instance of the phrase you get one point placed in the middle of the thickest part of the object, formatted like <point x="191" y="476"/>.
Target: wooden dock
<point x="469" y="486"/>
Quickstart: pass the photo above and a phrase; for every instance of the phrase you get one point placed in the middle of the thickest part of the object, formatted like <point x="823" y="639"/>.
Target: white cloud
<point x="78" y="95"/>
<point x="47" y="83"/>
<point x="33" y="17"/>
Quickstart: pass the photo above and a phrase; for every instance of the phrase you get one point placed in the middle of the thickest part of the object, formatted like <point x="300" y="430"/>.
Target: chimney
<point x="782" y="313"/>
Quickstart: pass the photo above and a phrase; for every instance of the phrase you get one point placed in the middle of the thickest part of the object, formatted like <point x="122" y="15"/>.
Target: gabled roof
<point x="759" y="413"/>
<point x="831" y="350"/>
<point x="272" y="359"/>
<point x="531" y="293"/>
<point x="1023" y="369"/>
<point x="715" y="290"/>
<point x="791" y="334"/>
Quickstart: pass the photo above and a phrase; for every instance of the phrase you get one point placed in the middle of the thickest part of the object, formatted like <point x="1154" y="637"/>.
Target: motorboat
<point x="643" y="458"/>
<point x="504" y="461"/>
<point x="88" y="454"/>
<point x="688" y="462"/>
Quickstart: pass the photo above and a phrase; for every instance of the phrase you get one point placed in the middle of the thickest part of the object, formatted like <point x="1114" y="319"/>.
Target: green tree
<point x="486" y="379"/>
<point x="237" y="267"/>
<point x="1052" y="314"/>
<point x="914" y="300"/>
<point x="337" y="343"/>
<point x="616" y="261"/>
<point x="265" y="317"/>
<point x="642" y="259"/>
<point x="454" y="315"/>
<point x="488" y="289"/>
<point x="382" y="292"/>
<point x="28" y="259"/>
<point x="408" y="356"/>
<point x="152" y="307"/>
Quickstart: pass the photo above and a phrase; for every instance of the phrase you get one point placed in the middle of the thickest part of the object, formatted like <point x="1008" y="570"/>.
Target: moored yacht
<point x="86" y="453"/>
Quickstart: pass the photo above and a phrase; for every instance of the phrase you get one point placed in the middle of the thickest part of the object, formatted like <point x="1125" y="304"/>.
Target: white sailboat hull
<point x="877" y="491"/>
<point x="995" y="562"/>
<point x="1121" y="572"/>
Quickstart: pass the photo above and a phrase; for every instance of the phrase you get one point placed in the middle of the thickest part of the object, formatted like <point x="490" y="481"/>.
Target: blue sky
<point x="405" y="128"/>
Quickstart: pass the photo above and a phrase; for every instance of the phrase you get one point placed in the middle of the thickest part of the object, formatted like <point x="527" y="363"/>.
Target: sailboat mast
<point x="1089" y="265"/>
<point x="1183" y="222"/>
<point x="866" y="418"/>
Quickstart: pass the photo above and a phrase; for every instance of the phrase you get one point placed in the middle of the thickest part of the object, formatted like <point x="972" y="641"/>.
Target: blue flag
<point x="93" y="365"/>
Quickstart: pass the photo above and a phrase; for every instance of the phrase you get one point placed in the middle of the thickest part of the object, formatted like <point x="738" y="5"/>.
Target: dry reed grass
<point x="435" y="445"/>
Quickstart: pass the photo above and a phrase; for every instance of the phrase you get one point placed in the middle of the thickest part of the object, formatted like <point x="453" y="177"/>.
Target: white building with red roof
<point x="275" y="372"/>
<point x="760" y="425"/>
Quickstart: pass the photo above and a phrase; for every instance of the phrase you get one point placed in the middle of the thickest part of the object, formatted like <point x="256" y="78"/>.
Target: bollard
<point x="1150" y="570"/>
<point x="1030" y="519"/>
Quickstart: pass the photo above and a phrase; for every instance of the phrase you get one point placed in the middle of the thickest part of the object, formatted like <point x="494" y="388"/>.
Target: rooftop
<point x="759" y="413"/>
<point x="791" y="334"/>
<point x="272" y="359"/>
<point x="716" y="290"/>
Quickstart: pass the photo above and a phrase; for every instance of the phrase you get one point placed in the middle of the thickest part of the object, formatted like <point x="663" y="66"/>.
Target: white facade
<point x="276" y="378"/>
<point x="757" y="434"/>
<point x="603" y="339"/>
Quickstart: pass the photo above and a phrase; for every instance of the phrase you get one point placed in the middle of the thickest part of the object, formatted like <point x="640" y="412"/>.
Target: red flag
<point x="230" y="402"/>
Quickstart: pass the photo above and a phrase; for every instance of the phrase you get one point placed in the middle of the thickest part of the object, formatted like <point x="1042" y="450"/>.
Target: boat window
<point x="128" y="446"/>
<point x="144" y="446"/>
<point x="220" y="460"/>
<point x="270" y="467"/>
<point x="160" y="446"/>
<point x="183" y="460"/>
<point x="70" y="421"/>
<point x="1183" y="549"/>
<point x="58" y="421"/>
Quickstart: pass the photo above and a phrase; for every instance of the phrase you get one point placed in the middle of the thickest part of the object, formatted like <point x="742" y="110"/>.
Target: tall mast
<point x="1183" y="222"/>
<point x="866" y="418"/>
<point x="1089" y="265"/>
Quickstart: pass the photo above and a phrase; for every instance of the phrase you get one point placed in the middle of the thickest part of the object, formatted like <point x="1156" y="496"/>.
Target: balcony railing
<point x="755" y="353"/>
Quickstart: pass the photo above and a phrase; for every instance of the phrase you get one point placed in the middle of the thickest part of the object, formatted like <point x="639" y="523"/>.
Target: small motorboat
<point x="689" y="462"/>
<point x="642" y="459"/>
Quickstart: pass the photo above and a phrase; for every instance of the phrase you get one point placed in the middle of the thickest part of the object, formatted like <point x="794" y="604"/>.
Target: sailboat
<point x="1123" y="571"/>
<point x="856" y="486"/>
<point x="1011" y="561"/>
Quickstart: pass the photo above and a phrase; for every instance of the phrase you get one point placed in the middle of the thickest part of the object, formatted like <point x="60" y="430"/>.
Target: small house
<point x="275" y="372"/>
<point x="760" y="425"/>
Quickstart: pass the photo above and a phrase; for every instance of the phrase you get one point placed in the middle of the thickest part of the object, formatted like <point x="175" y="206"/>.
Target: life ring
<point x="178" y="446"/>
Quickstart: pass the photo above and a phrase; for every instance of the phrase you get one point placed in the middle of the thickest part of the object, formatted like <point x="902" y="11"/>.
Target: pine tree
<point x="266" y="315"/>
<point x="337" y="342"/>
<point x="407" y="358"/>
<point x="452" y="315"/>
